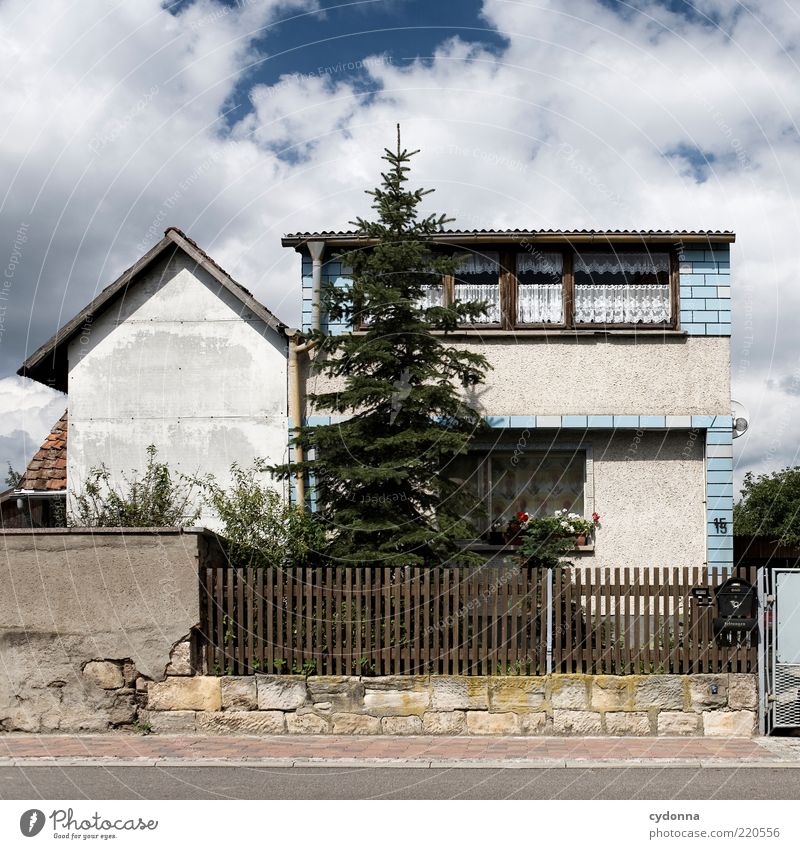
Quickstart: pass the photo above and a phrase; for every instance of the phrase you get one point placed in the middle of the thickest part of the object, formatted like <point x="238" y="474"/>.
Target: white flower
<point x="564" y="524"/>
<point x="574" y="516"/>
<point x="571" y="529"/>
<point x="557" y="513"/>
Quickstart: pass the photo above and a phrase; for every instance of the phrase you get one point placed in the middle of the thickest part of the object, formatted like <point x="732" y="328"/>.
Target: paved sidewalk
<point x="424" y="752"/>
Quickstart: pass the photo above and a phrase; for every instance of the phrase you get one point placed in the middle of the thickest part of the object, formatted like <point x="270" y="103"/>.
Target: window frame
<point x="508" y="287"/>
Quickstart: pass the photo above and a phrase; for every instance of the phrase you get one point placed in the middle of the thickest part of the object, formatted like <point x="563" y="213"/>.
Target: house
<point x="610" y="388"/>
<point x="176" y="354"/>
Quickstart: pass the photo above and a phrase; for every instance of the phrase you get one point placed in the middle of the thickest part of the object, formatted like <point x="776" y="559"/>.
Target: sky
<point x="244" y="120"/>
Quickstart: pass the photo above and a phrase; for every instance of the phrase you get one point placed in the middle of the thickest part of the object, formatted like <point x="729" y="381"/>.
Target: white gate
<point x="779" y="660"/>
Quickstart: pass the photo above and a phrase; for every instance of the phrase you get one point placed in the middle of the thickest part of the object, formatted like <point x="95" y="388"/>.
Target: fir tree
<point x="381" y="476"/>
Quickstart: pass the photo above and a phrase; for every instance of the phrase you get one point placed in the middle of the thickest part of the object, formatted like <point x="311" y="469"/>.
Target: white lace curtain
<point x="624" y="264"/>
<point x="626" y="304"/>
<point x="540" y="303"/>
<point x="637" y="293"/>
<point x="488" y="263"/>
<point x="482" y="292"/>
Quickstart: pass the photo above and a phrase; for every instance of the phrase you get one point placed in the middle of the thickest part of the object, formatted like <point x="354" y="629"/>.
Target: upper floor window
<point x="477" y="278"/>
<point x="624" y="288"/>
<point x="552" y="287"/>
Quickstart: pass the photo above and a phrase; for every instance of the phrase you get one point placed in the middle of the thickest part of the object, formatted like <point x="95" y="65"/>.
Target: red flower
<point x="595" y="517"/>
<point x="523" y="517"/>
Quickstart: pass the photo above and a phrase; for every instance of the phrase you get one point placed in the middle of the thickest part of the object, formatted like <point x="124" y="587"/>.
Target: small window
<point x="504" y="482"/>
<point x="478" y="279"/>
<point x="540" y="291"/>
<point x="624" y="288"/>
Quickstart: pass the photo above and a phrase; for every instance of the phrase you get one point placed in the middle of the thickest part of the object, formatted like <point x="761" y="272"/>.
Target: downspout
<point x="316" y="249"/>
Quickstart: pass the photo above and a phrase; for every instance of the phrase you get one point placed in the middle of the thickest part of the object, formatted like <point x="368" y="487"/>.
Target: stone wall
<point x="89" y="617"/>
<point x="582" y="705"/>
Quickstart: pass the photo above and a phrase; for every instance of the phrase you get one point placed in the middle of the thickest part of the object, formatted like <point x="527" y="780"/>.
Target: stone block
<point x="484" y="723"/>
<point x="241" y="722"/>
<point x="729" y="723"/>
<point x="534" y="723"/>
<point x="200" y="693"/>
<point x="401" y="725"/>
<point x="105" y="674"/>
<point x="516" y="694"/>
<point x="609" y="692"/>
<point x="742" y="691"/>
<point x="412" y="697"/>
<point x="169" y="721"/>
<point x="569" y="692"/>
<point x="578" y="722"/>
<point x="239" y="692"/>
<point x="628" y="723"/>
<point x="459" y="693"/>
<point x="700" y="692"/>
<point x="678" y="723"/>
<point x="354" y="723"/>
<point x="281" y="692"/>
<point x="306" y="723"/>
<point x="180" y="659"/>
<point x="665" y="692"/>
<point x="339" y="693"/>
<point x="450" y="722"/>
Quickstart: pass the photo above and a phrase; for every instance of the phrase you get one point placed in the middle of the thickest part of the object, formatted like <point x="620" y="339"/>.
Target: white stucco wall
<point x="622" y="375"/>
<point x="649" y="489"/>
<point x="183" y="365"/>
<point x="589" y="375"/>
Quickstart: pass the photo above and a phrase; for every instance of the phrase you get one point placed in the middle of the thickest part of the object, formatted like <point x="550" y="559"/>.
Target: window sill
<point x="556" y="331"/>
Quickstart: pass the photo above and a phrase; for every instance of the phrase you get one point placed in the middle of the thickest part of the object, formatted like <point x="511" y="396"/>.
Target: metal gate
<point x="779" y="662"/>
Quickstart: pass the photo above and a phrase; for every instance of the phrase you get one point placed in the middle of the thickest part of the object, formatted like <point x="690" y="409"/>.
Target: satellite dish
<point x="741" y="418"/>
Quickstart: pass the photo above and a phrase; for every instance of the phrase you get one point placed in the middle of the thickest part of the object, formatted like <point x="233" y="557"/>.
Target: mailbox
<point x="736" y="610"/>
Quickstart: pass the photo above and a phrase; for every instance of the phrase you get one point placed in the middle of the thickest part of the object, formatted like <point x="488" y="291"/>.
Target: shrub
<point x="156" y="500"/>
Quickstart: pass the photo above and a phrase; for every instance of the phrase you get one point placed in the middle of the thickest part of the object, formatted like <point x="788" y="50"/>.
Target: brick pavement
<point x="412" y="749"/>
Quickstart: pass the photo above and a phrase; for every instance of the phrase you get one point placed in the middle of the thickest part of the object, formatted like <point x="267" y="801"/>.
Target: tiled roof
<point x="48" y="468"/>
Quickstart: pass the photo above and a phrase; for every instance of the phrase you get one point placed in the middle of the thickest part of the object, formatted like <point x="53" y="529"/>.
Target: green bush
<point x="262" y="528"/>
<point x="156" y="500"/>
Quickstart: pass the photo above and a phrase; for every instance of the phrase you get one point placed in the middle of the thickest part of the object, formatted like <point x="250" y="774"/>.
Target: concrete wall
<point x="86" y="617"/>
<point x="594" y="705"/>
<point x="180" y="364"/>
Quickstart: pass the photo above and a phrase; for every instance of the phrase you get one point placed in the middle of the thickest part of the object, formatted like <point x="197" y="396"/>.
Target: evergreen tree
<point x="381" y="476"/>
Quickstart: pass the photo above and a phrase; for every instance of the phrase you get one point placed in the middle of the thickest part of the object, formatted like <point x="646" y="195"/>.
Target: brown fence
<point x="493" y="620"/>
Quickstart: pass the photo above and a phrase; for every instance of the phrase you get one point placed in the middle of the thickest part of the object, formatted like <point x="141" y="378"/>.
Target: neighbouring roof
<point x="48" y="468"/>
<point x="48" y="364"/>
<point x="343" y="238"/>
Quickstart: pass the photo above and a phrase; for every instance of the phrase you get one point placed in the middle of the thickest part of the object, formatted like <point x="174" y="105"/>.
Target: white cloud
<point x="112" y="130"/>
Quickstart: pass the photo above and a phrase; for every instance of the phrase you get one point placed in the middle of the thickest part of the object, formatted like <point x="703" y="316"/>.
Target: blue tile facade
<point x="705" y="290"/>
<point x="334" y="274"/>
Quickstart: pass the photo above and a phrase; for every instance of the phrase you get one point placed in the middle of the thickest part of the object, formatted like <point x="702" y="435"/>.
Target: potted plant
<point x="515" y="529"/>
<point x="574" y="525"/>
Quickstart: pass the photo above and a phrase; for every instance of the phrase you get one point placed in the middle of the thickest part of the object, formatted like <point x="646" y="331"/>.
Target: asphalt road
<point x="242" y="782"/>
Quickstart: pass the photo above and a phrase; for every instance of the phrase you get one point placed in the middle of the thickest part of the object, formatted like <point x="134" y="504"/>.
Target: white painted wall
<point x="183" y="365"/>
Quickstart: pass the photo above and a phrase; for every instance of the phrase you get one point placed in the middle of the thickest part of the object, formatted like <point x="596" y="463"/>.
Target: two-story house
<point x="610" y="386"/>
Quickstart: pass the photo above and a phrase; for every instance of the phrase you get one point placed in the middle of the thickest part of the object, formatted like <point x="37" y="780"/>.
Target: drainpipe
<point x="316" y="248"/>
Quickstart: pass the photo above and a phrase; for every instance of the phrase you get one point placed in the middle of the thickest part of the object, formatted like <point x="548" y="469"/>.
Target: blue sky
<point x="119" y="118"/>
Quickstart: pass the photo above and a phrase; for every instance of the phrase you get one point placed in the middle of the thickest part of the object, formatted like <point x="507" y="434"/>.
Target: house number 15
<point x="721" y="525"/>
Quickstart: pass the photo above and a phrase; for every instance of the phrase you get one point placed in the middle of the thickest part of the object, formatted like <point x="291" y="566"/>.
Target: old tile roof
<point x="48" y="468"/>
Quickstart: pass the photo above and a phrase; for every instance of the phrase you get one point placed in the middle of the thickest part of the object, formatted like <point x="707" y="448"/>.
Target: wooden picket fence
<point x="461" y="620"/>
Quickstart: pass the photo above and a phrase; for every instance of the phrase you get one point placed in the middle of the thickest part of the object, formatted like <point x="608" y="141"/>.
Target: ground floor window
<point x="500" y="482"/>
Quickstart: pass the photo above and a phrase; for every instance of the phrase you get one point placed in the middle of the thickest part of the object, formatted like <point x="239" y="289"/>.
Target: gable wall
<point x="182" y="364"/>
